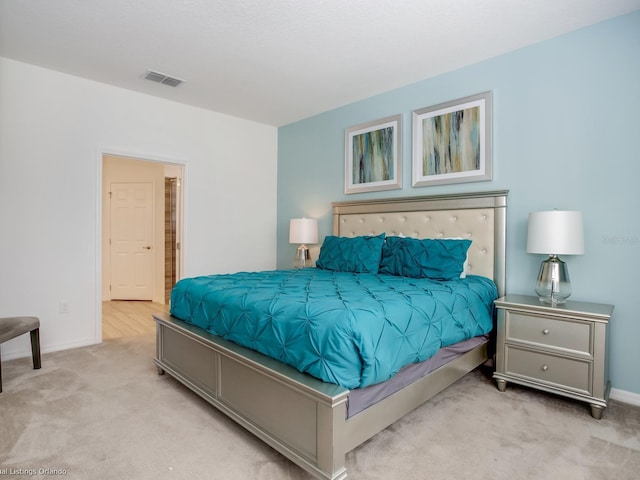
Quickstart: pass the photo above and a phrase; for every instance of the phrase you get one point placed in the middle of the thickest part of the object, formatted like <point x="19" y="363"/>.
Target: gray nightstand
<point x="560" y="349"/>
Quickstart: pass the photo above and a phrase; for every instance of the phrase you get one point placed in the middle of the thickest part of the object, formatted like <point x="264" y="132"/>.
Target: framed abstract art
<point x="373" y="156"/>
<point x="452" y="142"/>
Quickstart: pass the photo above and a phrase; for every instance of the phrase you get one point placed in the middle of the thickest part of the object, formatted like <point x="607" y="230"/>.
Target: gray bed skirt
<point x="361" y="398"/>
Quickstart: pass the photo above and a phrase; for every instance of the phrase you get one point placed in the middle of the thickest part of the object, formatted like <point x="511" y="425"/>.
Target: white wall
<point x="53" y="128"/>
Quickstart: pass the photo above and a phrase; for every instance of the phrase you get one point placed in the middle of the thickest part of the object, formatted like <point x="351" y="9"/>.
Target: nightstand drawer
<point x="552" y="332"/>
<point x="555" y="371"/>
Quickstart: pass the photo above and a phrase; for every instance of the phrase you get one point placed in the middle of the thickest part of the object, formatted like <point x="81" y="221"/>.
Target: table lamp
<point x="303" y="231"/>
<point x="555" y="232"/>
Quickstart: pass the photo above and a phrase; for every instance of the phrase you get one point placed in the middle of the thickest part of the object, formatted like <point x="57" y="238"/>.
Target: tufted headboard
<point x="480" y="217"/>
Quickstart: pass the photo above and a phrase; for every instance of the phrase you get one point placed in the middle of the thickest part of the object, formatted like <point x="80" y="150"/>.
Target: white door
<point x="131" y="252"/>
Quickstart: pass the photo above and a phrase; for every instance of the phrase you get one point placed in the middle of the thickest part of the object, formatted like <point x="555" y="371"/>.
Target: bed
<point x="313" y="422"/>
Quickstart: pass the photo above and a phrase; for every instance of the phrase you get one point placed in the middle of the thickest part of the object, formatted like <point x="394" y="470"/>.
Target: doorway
<point x="141" y="241"/>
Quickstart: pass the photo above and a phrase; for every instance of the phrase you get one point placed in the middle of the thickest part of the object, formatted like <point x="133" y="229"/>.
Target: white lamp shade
<point x="303" y="230"/>
<point x="556" y="232"/>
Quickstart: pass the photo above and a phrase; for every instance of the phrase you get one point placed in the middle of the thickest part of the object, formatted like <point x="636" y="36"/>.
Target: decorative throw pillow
<point x="351" y="254"/>
<point x="438" y="259"/>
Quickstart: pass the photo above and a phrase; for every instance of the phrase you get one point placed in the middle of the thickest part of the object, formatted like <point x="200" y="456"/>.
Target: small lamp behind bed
<point x="303" y="231"/>
<point x="554" y="233"/>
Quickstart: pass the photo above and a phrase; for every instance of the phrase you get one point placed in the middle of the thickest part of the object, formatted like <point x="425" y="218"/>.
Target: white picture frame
<point x="452" y="142"/>
<point x="373" y="156"/>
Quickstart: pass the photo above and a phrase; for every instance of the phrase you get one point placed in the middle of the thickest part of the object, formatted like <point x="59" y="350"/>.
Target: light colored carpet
<point x="102" y="412"/>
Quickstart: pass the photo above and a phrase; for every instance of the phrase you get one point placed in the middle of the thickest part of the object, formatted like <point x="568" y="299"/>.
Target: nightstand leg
<point x="502" y="385"/>
<point x="596" y="411"/>
<point x="160" y="370"/>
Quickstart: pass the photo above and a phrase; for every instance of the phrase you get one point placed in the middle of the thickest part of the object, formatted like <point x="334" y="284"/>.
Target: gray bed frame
<point x="302" y="417"/>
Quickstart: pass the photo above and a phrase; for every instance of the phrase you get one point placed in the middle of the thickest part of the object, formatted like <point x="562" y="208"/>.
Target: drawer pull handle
<point x="545" y="331"/>
<point x="545" y="368"/>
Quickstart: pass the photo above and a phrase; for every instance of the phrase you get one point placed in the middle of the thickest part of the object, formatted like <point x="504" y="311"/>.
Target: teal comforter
<point x="351" y="329"/>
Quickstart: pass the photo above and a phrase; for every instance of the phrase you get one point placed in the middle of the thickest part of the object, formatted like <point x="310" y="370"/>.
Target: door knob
<point x="147" y="248"/>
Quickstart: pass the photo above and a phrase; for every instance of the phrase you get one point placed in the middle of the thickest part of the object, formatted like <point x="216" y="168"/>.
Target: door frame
<point x="101" y="152"/>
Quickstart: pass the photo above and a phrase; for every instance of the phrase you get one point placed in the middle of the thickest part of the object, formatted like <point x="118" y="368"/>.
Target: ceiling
<point x="279" y="61"/>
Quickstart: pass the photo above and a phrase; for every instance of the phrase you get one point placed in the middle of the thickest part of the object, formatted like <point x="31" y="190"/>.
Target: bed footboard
<point x="299" y="416"/>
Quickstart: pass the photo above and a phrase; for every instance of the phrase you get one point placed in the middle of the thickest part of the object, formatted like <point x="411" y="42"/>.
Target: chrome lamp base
<point x="554" y="285"/>
<point x="303" y="259"/>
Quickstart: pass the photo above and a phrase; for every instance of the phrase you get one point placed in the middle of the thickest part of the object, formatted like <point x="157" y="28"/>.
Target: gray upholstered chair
<point x="11" y="327"/>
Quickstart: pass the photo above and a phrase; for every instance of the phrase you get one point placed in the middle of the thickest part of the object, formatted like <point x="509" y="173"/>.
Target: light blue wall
<point x="566" y="135"/>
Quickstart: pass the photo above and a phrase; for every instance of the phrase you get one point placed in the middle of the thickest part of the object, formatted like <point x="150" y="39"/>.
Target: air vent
<point x="162" y="78"/>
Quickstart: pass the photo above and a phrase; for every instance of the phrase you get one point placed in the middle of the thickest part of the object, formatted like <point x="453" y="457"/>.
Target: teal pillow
<point x="427" y="258"/>
<point x="351" y="254"/>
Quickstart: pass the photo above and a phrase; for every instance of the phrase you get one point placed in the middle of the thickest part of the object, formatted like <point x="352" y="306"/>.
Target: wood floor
<point x="122" y="318"/>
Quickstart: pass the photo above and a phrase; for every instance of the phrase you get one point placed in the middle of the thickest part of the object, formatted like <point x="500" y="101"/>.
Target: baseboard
<point x="26" y="352"/>
<point x="625" y="397"/>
